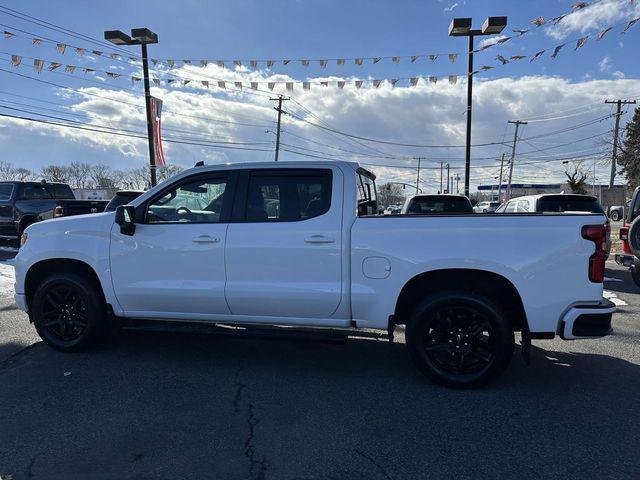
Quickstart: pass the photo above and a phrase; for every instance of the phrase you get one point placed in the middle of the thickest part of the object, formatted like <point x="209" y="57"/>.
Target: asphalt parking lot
<point x="167" y="406"/>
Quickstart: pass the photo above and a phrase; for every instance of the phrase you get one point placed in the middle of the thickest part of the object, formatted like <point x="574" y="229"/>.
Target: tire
<point x="635" y="272"/>
<point x="68" y="312"/>
<point x="459" y="339"/>
<point x="634" y="237"/>
<point x="615" y="215"/>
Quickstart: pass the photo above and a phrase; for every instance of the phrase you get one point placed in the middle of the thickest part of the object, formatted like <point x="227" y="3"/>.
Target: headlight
<point x="23" y="239"/>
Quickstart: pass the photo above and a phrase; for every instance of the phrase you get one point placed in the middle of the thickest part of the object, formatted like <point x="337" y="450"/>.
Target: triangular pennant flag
<point x="220" y="63"/>
<point x="323" y="64"/>
<point x="503" y="40"/>
<point x="156" y="81"/>
<point x="433" y="58"/>
<point x="453" y="79"/>
<point x="86" y="70"/>
<point x="53" y="65"/>
<point x="503" y="60"/>
<point x="254" y="85"/>
<point x="253" y="63"/>
<point x="486" y="67"/>
<point x="520" y="32"/>
<point x="237" y="63"/>
<point x="516" y="57"/>
<point x="271" y="85"/>
<point x="414" y="81"/>
<point x="556" y="20"/>
<point x="394" y="81"/>
<point x="341" y="83"/>
<point x="186" y="62"/>
<point x="70" y="68"/>
<point x="133" y="59"/>
<point x="340" y="61"/>
<point x="433" y="79"/>
<point x="581" y="41"/>
<point x="324" y="84"/>
<point x="186" y="82"/>
<point x="376" y="83"/>
<point x="204" y="63"/>
<point x="171" y="63"/>
<point x="16" y="60"/>
<point x="8" y="34"/>
<point x="286" y="62"/>
<point x="37" y="65"/>
<point x="270" y="63"/>
<point x="358" y="83"/>
<point x="222" y="84"/>
<point x="61" y="47"/>
<point x="376" y="59"/>
<point x="97" y="53"/>
<point x="453" y="57"/>
<point x="395" y="59"/>
<point x="556" y="51"/>
<point x="116" y="75"/>
<point x="579" y="5"/>
<point x="305" y="63"/>
<point x="358" y="61"/>
<point x="238" y="85"/>
<point x="289" y="86"/>
<point x="306" y="85"/>
<point x="630" y="24"/>
<point x="603" y="33"/>
<point x="37" y="41"/>
<point x="484" y="47"/>
<point x="473" y="73"/>
<point x="205" y="83"/>
<point x="538" y="21"/>
<point x="537" y="55"/>
<point x="81" y="51"/>
<point x="135" y="79"/>
<point x="155" y="61"/>
<point x="116" y="56"/>
<point x="414" y="58"/>
<point x="170" y="81"/>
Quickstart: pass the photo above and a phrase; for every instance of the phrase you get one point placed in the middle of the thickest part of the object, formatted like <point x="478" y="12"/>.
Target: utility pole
<point x="280" y="99"/>
<point x="458" y="184"/>
<point x="614" y="157"/>
<point x="517" y="123"/>
<point x="418" y="177"/>
<point x="500" y="182"/>
<point x="441" y="165"/>
<point x="448" y="190"/>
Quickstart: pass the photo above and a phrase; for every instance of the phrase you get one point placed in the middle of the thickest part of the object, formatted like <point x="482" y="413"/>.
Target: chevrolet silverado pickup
<point x="301" y="244"/>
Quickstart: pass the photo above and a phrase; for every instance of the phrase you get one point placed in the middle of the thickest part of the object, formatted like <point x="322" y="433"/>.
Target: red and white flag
<point x="156" y="111"/>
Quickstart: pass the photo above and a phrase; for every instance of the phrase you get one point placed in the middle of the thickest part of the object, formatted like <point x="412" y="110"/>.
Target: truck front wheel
<point x="68" y="312"/>
<point x="459" y="339"/>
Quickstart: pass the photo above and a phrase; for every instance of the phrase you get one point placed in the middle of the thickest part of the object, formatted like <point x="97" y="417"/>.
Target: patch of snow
<point x="7" y="280"/>
<point x="610" y="279"/>
<point x="614" y="298"/>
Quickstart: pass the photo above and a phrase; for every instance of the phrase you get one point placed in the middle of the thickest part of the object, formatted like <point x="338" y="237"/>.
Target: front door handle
<point x="319" y="239"/>
<point x="206" y="239"/>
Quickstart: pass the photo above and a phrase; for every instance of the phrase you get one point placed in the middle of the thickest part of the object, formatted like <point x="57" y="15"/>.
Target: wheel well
<point x="41" y="270"/>
<point x="489" y="284"/>
<point x="27" y="219"/>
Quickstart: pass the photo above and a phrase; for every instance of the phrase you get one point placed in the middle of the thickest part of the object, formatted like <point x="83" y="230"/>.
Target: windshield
<point x="120" y="199"/>
<point x="439" y="204"/>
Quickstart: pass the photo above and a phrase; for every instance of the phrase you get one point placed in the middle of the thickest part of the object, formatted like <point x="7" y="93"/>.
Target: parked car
<point x="616" y="212"/>
<point x="24" y="203"/>
<point x="393" y="210"/>
<point x="435" y="204"/>
<point x="122" y="197"/>
<point x="206" y="246"/>
<point x="557" y="203"/>
<point x="486" y="207"/>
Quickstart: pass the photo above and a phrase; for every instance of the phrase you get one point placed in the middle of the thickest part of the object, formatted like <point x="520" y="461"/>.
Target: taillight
<point x="58" y="211"/>
<point x="598" y="235"/>
<point x="624" y="234"/>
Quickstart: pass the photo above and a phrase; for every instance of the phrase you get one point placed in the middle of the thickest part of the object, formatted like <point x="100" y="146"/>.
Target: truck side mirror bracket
<point x="125" y="215"/>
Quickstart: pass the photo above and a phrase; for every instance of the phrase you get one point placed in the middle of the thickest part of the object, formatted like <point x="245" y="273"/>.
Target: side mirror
<point x="124" y="217"/>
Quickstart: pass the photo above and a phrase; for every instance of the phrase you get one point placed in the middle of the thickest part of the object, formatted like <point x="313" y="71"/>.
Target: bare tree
<point x="22" y="174"/>
<point x="168" y="171"/>
<point x="55" y="173"/>
<point x="390" y="194"/>
<point x="139" y="177"/>
<point x="6" y="170"/>
<point x="576" y="179"/>
<point x="79" y="173"/>
<point x="102" y="176"/>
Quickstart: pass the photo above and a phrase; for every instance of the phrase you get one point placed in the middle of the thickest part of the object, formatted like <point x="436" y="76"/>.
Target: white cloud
<point x="490" y="40"/>
<point x="605" y="64"/>
<point x="618" y="74"/>
<point x="451" y="7"/>
<point x="594" y="17"/>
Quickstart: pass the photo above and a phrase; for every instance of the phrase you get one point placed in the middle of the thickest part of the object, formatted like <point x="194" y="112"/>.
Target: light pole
<point x="461" y="27"/>
<point x="143" y="37"/>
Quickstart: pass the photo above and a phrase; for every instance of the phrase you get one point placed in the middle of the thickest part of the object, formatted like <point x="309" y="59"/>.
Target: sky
<point x="383" y="128"/>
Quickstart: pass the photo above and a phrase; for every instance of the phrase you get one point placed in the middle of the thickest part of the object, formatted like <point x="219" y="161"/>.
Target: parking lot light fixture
<point x="461" y="27"/>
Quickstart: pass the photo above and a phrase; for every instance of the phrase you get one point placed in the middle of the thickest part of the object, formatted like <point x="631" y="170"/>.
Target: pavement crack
<point x="378" y="466"/>
<point x="238" y="396"/>
<point x="29" y="472"/>
<point x="257" y="468"/>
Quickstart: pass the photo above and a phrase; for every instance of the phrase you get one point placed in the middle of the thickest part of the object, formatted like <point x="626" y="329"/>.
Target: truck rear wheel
<point x="459" y="339"/>
<point x="68" y="312"/>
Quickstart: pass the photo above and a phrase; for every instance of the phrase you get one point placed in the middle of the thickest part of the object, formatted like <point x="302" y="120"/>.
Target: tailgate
<point x="81" y="207"/>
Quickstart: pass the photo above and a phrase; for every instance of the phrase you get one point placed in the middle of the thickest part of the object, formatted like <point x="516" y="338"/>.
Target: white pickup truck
<point x="301" y="244"/>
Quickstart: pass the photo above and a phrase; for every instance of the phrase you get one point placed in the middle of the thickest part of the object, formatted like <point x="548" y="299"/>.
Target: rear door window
<point x="35" y="191"/>
<point x="6" y="189"/>
<point x="511" y="207"/>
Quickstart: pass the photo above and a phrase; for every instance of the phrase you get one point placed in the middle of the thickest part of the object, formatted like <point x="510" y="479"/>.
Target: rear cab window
<point x="569" y="203"/>
<point x="439" y="204"/>
<point x="62" y="191"/>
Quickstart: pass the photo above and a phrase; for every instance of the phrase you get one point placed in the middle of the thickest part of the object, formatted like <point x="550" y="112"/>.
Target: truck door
<point x="173" y="264"/>
<point x="284" y="246"/>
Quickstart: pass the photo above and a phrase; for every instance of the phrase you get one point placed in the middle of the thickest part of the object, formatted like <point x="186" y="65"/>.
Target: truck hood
<point x="91" y="221"/>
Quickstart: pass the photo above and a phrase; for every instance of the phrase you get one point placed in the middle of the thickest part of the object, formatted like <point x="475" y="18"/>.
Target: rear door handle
<point x="206" y="239"/>
<point x="319" y="239"/>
